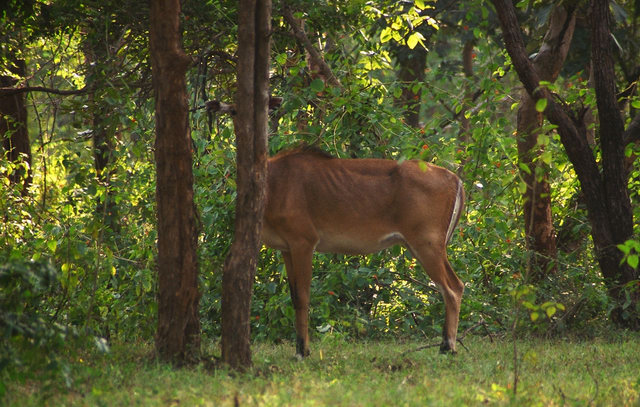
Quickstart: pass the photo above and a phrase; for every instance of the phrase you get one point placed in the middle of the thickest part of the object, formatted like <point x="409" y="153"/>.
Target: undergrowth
<point x="343" y="372"/>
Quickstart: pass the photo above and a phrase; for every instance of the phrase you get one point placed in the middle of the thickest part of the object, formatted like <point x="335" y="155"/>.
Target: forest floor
<point x="550" y="372"/>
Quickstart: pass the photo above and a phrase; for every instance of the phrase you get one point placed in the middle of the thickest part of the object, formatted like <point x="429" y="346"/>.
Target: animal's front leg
<point x="298" y="265"/>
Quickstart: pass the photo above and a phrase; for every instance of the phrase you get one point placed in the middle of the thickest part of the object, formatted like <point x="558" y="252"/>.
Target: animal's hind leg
<point x="298" y="265"/>
<point x="452" y="304"/>
<point x="434" y="260"/>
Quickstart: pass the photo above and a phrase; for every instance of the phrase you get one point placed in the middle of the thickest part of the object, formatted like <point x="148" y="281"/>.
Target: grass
<point x="359" y="373"/>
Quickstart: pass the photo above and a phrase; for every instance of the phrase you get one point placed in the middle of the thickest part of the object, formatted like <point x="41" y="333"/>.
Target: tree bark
<point x="539" y="230"/>
<point x="251" y="126"/>
<point x="13" y="128"/>
<point x="178" y="332"/>
<point x="411" y="65"/>
<point x="606" y="195"/>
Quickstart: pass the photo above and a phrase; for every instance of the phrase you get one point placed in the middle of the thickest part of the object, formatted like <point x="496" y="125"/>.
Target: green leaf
<point x="624" y="248"/>
<point x="413" y="39"/>
<point x="524" y="167"/>
<point x="419" y="4"/>
<point x="52" y="244"/>
<point x="546" y="157"/>
<point x="317" y="85"/>
<point x="633" y="260"/>
<point x="386" y="34"/>
<point x="636" y="104"/>
<point x="281" y="58"/>
<point x="522" y="187"/>
<point x="550" y="311"/>
<point x="534" y="316"/>
<point x="541" y="104"/>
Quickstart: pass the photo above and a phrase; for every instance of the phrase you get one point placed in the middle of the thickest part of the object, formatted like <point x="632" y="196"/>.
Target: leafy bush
<point x="32" y="335"/>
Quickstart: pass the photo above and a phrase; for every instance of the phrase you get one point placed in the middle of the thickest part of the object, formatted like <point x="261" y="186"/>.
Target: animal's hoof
<point x="445" y="348"/>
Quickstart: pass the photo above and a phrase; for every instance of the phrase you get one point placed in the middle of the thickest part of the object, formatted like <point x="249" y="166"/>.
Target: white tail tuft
<point x="455" y="214"/>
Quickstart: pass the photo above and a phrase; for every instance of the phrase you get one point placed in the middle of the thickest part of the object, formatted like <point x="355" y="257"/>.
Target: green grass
<point x="359" y="373"/>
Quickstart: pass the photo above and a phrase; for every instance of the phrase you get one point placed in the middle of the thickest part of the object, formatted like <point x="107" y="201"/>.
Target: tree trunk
<point x="102" y="68"/>
<point x="411" y="65"/>
<point x="605" y="193"/>
<point x="539" y="231"/>
<point x="464" y="134"/>
<point x="251" y="126"/>
<point x="178" y="332"/>
<point x="13" y="128"/>
<point x="618" y="209"/>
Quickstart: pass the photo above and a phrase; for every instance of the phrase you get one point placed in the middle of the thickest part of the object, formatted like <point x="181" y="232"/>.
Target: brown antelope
<point x="315" y="202"/>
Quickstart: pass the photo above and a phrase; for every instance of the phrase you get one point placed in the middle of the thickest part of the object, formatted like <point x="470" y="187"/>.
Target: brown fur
<point x="357" y="206"/>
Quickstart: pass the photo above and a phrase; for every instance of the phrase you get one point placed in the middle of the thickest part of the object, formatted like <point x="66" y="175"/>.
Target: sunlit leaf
<point x="550" y="311"/>
<point x="541" y="104"/>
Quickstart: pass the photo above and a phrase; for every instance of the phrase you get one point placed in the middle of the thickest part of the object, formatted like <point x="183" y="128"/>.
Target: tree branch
<point x="316" y="58"/>
<point x="573" y="139"/>
<point x="10" y="91"/>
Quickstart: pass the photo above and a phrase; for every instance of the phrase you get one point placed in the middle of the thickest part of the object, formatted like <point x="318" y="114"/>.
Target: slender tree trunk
<point x="411" y="65"/>
<point x="606" y="195"/>
<point x="13" y="128"/>
<point x="99" y="65"/>
<point x="251" y="126"/>
<point x="539" y="230"/>
<point x="465" y="124"/>
<point x="178" y="333"/>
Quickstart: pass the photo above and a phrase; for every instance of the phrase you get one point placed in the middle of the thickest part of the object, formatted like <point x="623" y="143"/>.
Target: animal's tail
<point x="457" y="210"/>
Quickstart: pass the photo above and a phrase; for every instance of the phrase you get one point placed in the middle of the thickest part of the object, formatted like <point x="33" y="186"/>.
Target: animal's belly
<point x="346" y="244"/>
<point x="271" y="239"/>
<point x="343" y="242"/>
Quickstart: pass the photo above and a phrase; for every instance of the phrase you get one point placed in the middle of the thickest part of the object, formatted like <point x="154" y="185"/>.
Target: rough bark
<point x="606" y="195"/>
<point x="178" y="332"/>
<point x="13" y="128"/>
<point x="251" y="126"/>
<point x="539" y="230"/>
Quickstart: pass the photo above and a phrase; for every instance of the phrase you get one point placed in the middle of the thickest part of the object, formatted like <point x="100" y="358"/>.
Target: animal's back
<point x="353" y="205"/>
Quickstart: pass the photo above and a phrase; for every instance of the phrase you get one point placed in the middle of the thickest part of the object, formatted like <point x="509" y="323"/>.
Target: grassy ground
<point x="360" y="373"/>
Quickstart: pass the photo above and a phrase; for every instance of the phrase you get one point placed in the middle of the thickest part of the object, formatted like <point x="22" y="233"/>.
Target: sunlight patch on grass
<point x="362" y="373"/>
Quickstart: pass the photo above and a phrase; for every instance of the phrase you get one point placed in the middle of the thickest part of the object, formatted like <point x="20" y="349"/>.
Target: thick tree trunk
<point x="251" y="126"/>
<point x="606" y="194"/>
<point x="539" y="231"/>
<point x="178" y="333"/>
<point x="13" y="128"/>
<point x="616" y="193"/>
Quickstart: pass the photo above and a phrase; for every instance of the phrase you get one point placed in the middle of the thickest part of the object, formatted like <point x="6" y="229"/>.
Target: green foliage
<point x="32" y="335"/>
<point x="80" y="246"/>
<point x="631" y="251"/>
